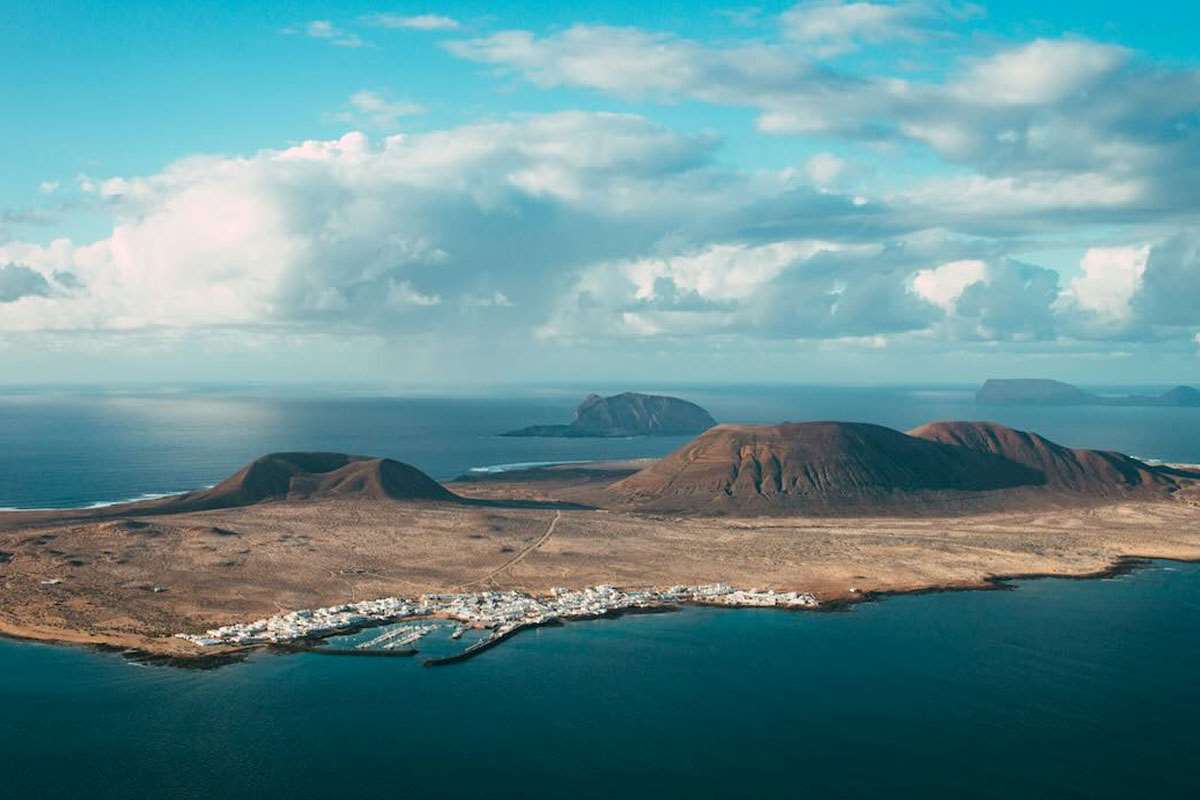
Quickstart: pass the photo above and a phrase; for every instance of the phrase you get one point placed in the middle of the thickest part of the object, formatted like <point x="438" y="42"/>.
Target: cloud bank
<point x="577" y="227"/>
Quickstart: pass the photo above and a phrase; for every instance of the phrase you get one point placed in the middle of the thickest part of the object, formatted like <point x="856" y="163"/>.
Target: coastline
<point x="166" y="651"/>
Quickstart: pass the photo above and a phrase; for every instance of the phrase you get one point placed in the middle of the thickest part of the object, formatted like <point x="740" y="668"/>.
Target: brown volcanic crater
<point x="312" y="476"/>
<point x="842" y="467"/>
<point x="817" y="465"/>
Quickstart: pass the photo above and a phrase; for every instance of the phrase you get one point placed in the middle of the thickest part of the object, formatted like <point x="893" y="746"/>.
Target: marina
<point x="500" y="613"/>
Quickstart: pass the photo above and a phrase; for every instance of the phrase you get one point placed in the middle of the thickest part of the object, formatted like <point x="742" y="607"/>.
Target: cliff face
<point x="628" y="414"/>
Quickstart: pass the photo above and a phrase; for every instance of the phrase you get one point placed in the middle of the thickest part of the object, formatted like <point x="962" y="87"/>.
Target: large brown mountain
<point x="311" y="476"/>
<point x="1094" y="472"/>
<point x="840" y="467"/>
<point x="819" y="466"/>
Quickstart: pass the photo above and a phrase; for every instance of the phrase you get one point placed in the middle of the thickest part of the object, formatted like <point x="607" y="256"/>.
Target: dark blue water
<point x="1059" y="689"/>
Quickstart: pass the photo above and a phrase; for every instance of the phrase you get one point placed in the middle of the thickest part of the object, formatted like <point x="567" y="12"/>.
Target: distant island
<point x="1045" y="392"/>
<point x="628" y="414"/>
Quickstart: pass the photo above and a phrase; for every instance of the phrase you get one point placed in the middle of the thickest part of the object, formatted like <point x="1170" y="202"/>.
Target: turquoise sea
<point x="1060" y="688"/>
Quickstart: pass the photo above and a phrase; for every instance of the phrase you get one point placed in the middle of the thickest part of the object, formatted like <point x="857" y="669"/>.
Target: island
<point x="297" y="547"/>
<point x="628" y="414"/>
<point x="1040" y="391"/>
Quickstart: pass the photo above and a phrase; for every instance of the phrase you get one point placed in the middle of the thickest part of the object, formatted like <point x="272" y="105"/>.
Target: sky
<point x="469" y="193"/>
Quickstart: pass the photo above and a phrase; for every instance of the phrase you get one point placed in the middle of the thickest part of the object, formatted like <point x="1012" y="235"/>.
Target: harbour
<point x="849" y="705"/>
<point x="501" y="613"/>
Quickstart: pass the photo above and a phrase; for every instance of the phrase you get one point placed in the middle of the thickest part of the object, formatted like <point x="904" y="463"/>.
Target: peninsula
<point x="797" y="515"/>
<point x="1039" y="391"/>
<point x="628" y="414"/>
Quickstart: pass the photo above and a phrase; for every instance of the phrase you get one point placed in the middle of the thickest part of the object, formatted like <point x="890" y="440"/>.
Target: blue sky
<point x="446" y="193"/>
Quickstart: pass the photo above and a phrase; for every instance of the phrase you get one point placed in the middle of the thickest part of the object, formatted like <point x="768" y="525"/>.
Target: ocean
<point x="1061" y="688"/>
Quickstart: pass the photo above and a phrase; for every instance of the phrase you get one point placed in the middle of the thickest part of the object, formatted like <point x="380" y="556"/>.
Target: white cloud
<point x="824" y="169"/>
<point x="419" y="22"/>
<point x="377" y="110"/>
<point x="1111" y="277"/>
<point x="1045" y="71"/>
<point x="831" y="27"/>
<point x="325" y="30"/>
<point x="48" y="187"/>
<point x="943" y="285"/>
<point x="1001" y="299"/>
<point x="1066" y="126"/>
<point x="497" y="299"/>
<point x="1022" y="198"/>
<point x="402" y="293"/>
<point x="721" y="271"/>
<point x="803" y="289"/>
<point x="359" y="232"/>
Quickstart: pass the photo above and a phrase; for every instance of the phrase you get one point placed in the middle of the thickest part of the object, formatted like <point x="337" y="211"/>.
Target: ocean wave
<point x="516" y="465"/>
<point x="100" y="503"/>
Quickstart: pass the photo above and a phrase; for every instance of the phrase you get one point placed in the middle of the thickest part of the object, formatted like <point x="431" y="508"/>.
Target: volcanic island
<point x="295" y="547"/>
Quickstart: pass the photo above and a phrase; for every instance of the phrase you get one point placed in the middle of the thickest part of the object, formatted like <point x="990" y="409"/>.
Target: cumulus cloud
<point x="1014" y="301"/>
<point x="1170" y="283"/>
<point x="1003" y="299"/>
<point x="804" y="289"/>
<point x="1110" y="278"/>
<point x="579" y="226"/>
<point x="944" y="285"/>
<point x="381" y="235"/>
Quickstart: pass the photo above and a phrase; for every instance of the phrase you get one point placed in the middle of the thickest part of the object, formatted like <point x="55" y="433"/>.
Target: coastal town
<point x="500" y="612"/>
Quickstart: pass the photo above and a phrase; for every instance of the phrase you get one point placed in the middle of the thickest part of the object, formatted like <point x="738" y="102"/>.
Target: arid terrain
<point x="132" y="576"/>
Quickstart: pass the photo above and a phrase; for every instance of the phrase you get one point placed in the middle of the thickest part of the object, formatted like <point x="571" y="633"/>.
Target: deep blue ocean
<point x="1060" y="688"/>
